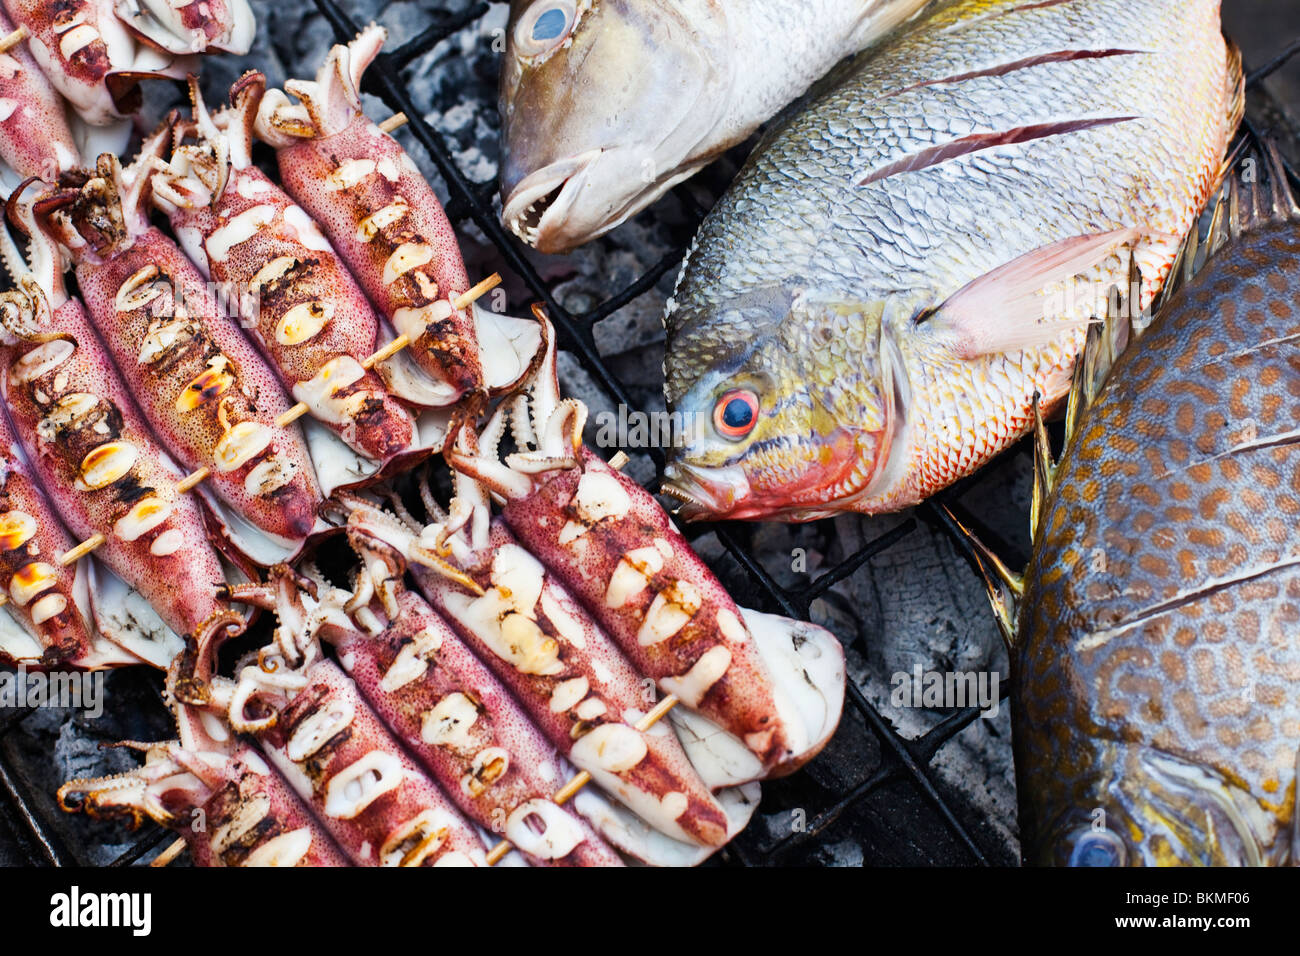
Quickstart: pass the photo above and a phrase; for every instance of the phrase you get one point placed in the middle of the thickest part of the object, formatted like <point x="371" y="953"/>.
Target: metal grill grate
<point x="902" y="767"/>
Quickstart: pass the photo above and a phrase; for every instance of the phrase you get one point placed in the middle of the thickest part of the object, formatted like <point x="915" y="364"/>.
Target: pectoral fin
<point x="1004" y="310"/>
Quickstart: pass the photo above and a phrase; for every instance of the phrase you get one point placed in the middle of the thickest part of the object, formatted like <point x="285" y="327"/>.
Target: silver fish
<point x="607" y="104"/>
<point x="867" y="314"/>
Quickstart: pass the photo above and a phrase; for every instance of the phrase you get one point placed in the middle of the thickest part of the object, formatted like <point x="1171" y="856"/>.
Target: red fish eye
<point x="736" y="413"/>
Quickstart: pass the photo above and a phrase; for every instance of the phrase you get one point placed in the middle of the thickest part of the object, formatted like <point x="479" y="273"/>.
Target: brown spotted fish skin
<point x="1158" y="678"/>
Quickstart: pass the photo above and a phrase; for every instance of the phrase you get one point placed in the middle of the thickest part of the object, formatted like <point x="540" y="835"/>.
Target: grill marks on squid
<point x="978" y="142"/>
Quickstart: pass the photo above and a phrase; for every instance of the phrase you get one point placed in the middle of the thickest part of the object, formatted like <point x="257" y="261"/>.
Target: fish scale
<point x="1097" y="118"/>
<point x="1158" y="672"/>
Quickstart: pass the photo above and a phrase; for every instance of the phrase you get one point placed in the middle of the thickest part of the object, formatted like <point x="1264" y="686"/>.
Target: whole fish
<point x="868" y="312"/>
<point x="1156" y="667"/>
<point x="607" y="105"/>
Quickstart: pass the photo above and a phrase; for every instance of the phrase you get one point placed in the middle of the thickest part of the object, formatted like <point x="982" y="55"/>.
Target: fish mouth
<point x="537" y="207"/>
<point x="706" y="493"/>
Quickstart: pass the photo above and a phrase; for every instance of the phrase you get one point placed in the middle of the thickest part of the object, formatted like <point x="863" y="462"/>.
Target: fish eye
<point x="735" y="413"/>
<point x="1097" y="847"/>
<point x="544" y="27"/>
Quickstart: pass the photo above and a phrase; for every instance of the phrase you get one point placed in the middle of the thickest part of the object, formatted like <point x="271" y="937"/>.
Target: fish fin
<point x="1003" y="310"/>
<point x="1236" y="79"/>
<point x="1003" y="587"/>
<point x="1284" y="208"/>
<point x="1044" y="468"/>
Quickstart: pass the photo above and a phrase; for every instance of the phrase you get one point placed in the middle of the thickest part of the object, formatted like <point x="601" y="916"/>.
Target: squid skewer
<point x="382" y="217"/>
<point x="614" y="547"/>
<point x="209" y="395"/>
<point x="295" y="296"/>
<point x="41" y="596"/>
<point x="577" y="686"/>
<point x="91" y="449"/>
<point x="34" y="135"/>
<point x="90" y="56"/>
<point x="440" y="700"/>
<point x="312" y="723"/>
<point x="230" y="808"/>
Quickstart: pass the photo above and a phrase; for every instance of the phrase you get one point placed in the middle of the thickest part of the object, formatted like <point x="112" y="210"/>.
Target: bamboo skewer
<point x="11" y="40"/>
<point x="582" y="778"/>
<point x="194" y="478"/>
<point x="172" y="852"/>
<point x="393" y="122"/>
<point x="402" y="341"/>
<point x="570" y="789"/>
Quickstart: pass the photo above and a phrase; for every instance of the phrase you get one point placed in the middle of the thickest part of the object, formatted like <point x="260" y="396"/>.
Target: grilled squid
<point x="231" y="808"/>
<point x="448" y="709"/>
<point x="294" y="294"/>
<point x="92" y="451"/>
<point x="191" y="26"/>
<point x="776" y="684"/>
<point x="317" y="730"/>
<point x="377" y="210"/>
<point x="34" y="135"/>
<point x="577" y="686"/>
<point x="90" y="56"/>
<point x="40" y="594"/>
<point x="210" y="397"/>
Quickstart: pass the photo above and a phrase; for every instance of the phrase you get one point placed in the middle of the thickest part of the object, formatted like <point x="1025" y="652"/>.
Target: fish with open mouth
<point x="867" y="314"/>
<point x="607" y="105"/>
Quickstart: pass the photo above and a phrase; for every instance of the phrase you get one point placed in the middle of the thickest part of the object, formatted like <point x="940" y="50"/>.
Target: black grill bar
<point x="903" y="759"/>
<point x="468" y="200"/>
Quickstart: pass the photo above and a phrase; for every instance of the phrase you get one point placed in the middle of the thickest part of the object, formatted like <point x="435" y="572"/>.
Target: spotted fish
<point x="868" y="312"/>
<point x="1156" y="672"/>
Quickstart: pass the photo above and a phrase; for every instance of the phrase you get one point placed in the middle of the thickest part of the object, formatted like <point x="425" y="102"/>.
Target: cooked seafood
<point x="34" y="135"/>
<point x="92" y="451"/>
<point x="90" y="56"/>
<point x="545" y="648"/>
<point x="439" y="699"/>
<point x="614" y="547"/>
<point x="293" y="293"/>
<point x="210" y="397"/>
<point x="191" y="26"/>
<point x="377" y="210"/>
<point x="866" y="315"/>
<point x="607" y="106"/>
<point x="1155" y="659"/>
<point x="249" y="815"/>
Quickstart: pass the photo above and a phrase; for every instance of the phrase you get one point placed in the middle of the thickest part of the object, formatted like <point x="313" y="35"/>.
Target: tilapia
<point x="1156" y="667"/>
<point x="868" y="312"/>
<point x="607" y="105"/>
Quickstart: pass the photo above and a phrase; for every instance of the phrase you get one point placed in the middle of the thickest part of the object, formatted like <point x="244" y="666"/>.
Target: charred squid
<point x="441" y="701"/>
<point x="92" y="452"/>
<point x="211" y="398"/>
<point x="294" y="294"/>
<point x="776" y="684"/>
